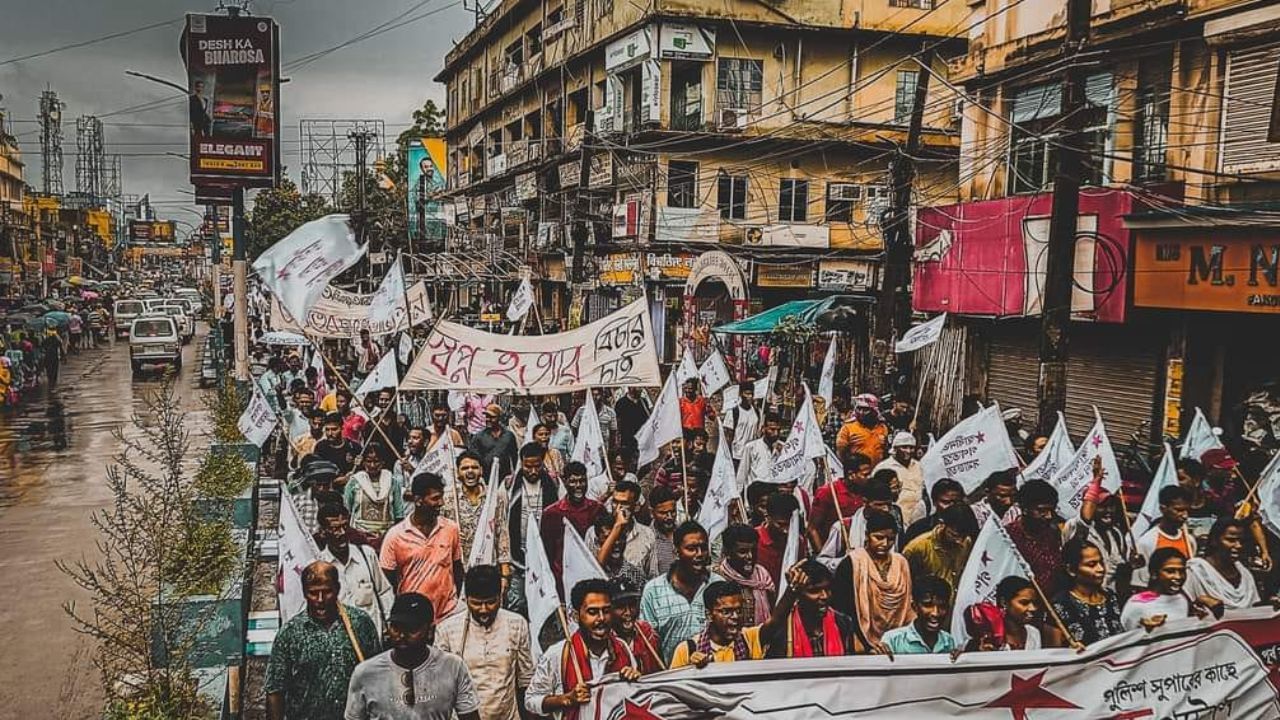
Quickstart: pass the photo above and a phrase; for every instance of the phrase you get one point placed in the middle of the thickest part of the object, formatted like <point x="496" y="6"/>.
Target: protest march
<point x="503" y="526"/>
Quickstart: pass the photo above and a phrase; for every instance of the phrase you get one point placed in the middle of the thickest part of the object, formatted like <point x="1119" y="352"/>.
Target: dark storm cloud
<point x="385" y="77"/>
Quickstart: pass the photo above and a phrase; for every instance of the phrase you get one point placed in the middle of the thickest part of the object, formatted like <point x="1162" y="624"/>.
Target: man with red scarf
<point x="559" y="686"/>
<point x="812" y="628"/>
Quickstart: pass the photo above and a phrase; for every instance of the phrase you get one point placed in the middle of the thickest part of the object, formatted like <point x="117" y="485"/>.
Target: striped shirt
<point x="672" y="615"/>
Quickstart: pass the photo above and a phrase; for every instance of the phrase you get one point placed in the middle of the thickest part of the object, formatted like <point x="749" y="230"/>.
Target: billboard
<point x="233" y="81"/>
<point x="426" y="175"/>
<point x="150" y="231"/>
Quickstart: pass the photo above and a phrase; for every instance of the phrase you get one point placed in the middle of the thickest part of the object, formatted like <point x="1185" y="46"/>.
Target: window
<point x="904" y="96"/>
<point x="793" y="200"/>
<point x="555" y="15"/>
<point x="533" y="40"/>
<point x="1033" y="147"/>
<point x="686" y="95"/>
<point x="1151" y="126"/>
<point x="841" y="197"/>
<point x="577" y="108"/>
<point x="739" y="84"/>
<point x="731" y="196"/>
<point x="682" y="184"/>
<point x="515" y="54"/>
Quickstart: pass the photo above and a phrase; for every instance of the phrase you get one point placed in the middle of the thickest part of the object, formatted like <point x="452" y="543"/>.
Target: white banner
<point x="993" y="558"/>
<point x="299" y="267"/>
<point x="721" y="490"/>
<point x="1056" y="454"/>
<point x="521" y="301"/>
<point x="1200" y="438"/>
<point x="970" y="451"/>
<point x="802" y="446"/>
<point x="921" y="335"/>
<point x="258" y="420"/>
<point x="1166" y="474"/>
<point x="297" y="550"/>
<point x="1074" y="477"/>
<point x="663" y="424"/>
<point x="1185" y="671"/>
<point x="341" y="314"/>
<point x="827" y="380"/>
<point x="714" y="373"/>
<point x="615" y="350"/>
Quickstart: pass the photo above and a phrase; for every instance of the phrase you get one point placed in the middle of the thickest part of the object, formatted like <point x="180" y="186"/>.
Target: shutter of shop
<point x="1113" y="367"/>
<point x="1251" y="89"/>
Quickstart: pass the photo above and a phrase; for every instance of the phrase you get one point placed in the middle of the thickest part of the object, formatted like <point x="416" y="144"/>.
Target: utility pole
<point x="361" y="139"/>
<point x="582" y="203"/>
<point x="239" y="285"/>
<point x="1055" y="311"/>
<point x="893" y="307"/>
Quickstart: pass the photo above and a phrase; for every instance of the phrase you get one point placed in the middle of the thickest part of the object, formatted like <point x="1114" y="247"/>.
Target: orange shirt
<point x="854" y="437"/>
<point x="693" y="413"/>
<point x="1179" y="543"/>
<point x="425" y="563"/>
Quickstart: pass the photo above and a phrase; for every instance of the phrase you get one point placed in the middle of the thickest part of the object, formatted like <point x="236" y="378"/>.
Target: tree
<point x="279" y="211"/>
<point x="429" y="120"/>
<point x="386" y="203"/>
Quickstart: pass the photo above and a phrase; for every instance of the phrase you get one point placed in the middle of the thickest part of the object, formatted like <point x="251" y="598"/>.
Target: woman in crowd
<point x="1087" y="608"/>
<point x="552" y="459"/>
<point x="1220" y="574"/>
<point x="1019" y="605"/>
<point x="879" y="577"/>
<point x="1166" y="597"/>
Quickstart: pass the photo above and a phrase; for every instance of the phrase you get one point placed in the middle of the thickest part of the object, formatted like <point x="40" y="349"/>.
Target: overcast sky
<point x="385" y="77"/>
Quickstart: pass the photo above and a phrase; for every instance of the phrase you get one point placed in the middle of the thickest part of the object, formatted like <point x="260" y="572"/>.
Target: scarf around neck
<point x="575" y="658"/>
<point x="883" y="603"/>
<point x="702" y="643"/>
<point x="760" y="584"/>
<point x="798" y="643"/>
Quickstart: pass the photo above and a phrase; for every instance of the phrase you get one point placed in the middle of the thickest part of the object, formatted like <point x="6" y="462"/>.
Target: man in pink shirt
<point x="423" y="553"/>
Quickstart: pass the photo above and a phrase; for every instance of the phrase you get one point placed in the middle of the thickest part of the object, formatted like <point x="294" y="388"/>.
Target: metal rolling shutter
<point x="1251" y="87"/>
<point x="1113" y="367"/>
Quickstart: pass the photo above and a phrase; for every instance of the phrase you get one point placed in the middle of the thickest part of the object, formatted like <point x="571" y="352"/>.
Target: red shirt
<point x="824" y="508"/>
<point x="552" y="527"/>
<point x="769" y="553"/>
<point x="693" y="413"/>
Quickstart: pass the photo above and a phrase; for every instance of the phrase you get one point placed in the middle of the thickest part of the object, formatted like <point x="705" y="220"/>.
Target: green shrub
<point x="223" y="475"/>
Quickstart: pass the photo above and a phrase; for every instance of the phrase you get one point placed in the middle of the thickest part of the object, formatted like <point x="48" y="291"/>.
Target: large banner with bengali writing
<point x="615" y="350"/>
<point x="1187" y="671"/>
<point x="342" y="314"/>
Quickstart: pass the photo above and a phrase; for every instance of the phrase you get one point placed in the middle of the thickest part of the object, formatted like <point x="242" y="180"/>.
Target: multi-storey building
<point x="737" y="152"/>
<point x="13" y="223"/>
<point x="1176" y="256"/>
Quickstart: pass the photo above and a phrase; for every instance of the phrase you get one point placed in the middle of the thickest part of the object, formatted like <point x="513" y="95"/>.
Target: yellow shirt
<point x="721" y="653"/>
<point x="329" y="403"/>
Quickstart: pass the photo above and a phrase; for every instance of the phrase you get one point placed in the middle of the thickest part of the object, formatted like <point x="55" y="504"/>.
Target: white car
<point x="125" y="311"/>
<point x="186" y="323"/>
<point x="154" y="339"/>
<point x="193" y="296"/>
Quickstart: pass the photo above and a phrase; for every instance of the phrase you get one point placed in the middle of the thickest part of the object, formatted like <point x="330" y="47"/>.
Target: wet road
<point x="54" y="450"/>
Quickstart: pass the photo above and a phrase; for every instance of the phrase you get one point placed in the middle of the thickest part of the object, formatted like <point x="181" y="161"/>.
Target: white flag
<point x="729" y="398"/>
<point x="405" y="348"/>
<point x="1166" y="475"/>
<point x="578" y="562"/>
<point x="441" y="460"/>
<point x="970" y="451"/>
<point x="258" y="420"/>
<point x="299" y="425"/>
<point x="802" y="446"/>
<point x="662" y="425"/>
<point x="388" y="302"/>
<point x="1056" y="454"/>
<point x="921" y="335"/>
<point x="533" y="421"/>
<point x="317" y="362"/>
<point x="385" y="374"/>
<point x="539" y="586"/>
<point x="721" y="490"/>
<point x="827" y="380"/>
<point x="299" y="267"/>
<point x="1269" y="495"/>
<point x="521" y="301"/>
<point x="1200" y="438"/>
<point x="993" y="558"/>
<point x="484" y="546"/>
<point x="588" y="446"/>
<point x="1074" y="477"/>
<point x="687" y="369"/>
<point x="714" y="373"/>
<point x="791" y="555"/>
<point x="297" y="551"/>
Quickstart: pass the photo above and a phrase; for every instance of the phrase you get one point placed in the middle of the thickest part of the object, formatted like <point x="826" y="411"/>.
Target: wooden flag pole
<point x="360" y="402"/>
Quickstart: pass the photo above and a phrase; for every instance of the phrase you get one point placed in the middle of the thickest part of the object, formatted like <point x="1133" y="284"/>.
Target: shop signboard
<point x="618" y="268"/>
<point x="1207" y="270"/>
<point x="847" y="275"/>
<point x="233" y="81"/>
<point x="790" y="276"/>
<point x="627" y="50"/>
<point x="663" y="267"/>
<point x="570" y="174"/>
<point x="601" y="171"/>
<point x="685" y="41"/>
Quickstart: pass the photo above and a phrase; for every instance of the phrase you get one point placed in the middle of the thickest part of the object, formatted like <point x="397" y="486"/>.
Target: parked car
<point x="186" y="323"/>
<point x="154" y="339"/>
<point x="193" y="296"/>
<point x="125" y="311"/>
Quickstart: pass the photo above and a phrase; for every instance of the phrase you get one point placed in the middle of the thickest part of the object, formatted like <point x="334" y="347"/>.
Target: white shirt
<point x="1204" y="579"/>
<point x="911" y="497"/>
<point x="745" y="424"/>
<point x="362" y="582"/>
<point x="756" y="465"/>
<point x="1150" y="604"/>
<point x="549" y="680"/>
<point x="1147" y="545"/>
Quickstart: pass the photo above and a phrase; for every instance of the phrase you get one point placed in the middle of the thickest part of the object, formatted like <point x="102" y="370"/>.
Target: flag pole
<point x="1054" y="613"/>
<point x="360" y="402"/>
<point x="568" y="641"/>
<point x="924" y="380"/>
<point x="835" y="499"/>
<point x="684" y="479"/>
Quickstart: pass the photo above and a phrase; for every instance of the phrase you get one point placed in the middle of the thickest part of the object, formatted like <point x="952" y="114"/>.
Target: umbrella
<point x="282" y="337"/>
<point x="88" y="295"/>
<point x="58" y="317"/>
<point x="34" y="309"/>
<point x="56" y="305"/>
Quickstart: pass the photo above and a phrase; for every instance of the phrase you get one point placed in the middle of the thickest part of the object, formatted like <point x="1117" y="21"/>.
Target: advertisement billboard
<point x="426" y="175"/>
<point x="233" y="81"/>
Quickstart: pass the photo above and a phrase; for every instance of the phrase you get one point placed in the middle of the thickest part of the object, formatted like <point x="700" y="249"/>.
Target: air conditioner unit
<point x="732" y="119"/>
<point x="845" y="191"/>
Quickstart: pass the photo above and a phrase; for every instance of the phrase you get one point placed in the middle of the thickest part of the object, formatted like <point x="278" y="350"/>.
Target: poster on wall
<point x="426" y="175"/>
<point x="233" y="81"/>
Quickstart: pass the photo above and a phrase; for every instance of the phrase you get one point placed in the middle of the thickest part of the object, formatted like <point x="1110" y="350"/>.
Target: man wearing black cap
<point x="494" y="643"/>
<point x="625" y="620"/>
<point x="314" y="654"/>
<point x="315" y="488"/>
<point x="412" y="680"/>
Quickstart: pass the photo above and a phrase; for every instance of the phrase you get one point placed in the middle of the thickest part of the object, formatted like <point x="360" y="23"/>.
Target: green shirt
<point x="311" y="664"/>
<point x="906" y="640"/>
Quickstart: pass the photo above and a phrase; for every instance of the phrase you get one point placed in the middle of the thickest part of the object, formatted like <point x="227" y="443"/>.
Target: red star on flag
<point x="635" y="711"/>
<point x="1097" y="441"/>
<point x="982" y="437"/>
<point x="1026" y="693"/>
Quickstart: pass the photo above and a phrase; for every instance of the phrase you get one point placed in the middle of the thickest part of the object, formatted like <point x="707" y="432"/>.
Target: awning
<point x="807" y="311"/>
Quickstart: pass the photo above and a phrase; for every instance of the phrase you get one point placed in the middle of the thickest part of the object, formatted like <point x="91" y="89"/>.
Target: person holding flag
<point x="813" y="628"/>
<point x="472" y="493"/>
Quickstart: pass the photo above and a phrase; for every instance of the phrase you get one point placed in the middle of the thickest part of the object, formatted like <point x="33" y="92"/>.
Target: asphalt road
<point x="54" y="451"/>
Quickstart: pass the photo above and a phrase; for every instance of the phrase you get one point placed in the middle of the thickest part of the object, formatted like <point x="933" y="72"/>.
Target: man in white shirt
<point x="742" y="421"/>
<point x="363" y="583"/>
<point x="757" y="457"/>
<point x="902" y="461"/>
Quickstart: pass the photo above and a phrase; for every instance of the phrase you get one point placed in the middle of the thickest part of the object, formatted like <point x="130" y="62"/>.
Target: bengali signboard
<point x="618" y="349"/>
<point x="233" y="81"/>
<point x="342" y="314"/>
